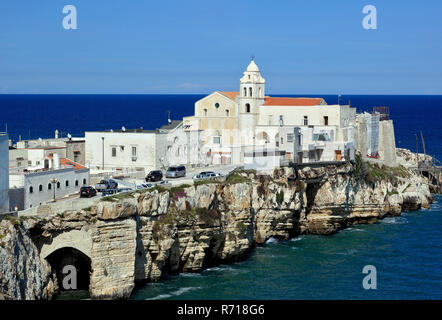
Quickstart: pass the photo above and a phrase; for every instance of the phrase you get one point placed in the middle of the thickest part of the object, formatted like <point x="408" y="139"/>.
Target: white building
<point x="4" y="173"/>
<point x="122" y="150"/>
<point x="177" y="146"/>
<point x="233" y="122"/>
<point x="31" y="188"/>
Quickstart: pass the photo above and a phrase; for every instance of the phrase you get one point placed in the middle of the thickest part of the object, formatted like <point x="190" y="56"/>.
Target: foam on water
<point x="175" y="293"/>
<point x="395" y="220"/>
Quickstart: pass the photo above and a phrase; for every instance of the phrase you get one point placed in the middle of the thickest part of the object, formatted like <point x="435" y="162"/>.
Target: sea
<point x="405" y="251"/>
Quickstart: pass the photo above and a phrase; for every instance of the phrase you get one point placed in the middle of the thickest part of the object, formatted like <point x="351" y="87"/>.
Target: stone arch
<point x="78" y="239"/>
<point x="73" y="248"/>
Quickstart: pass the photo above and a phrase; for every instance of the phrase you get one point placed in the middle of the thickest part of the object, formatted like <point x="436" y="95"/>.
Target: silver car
<point x="176" y="172"/>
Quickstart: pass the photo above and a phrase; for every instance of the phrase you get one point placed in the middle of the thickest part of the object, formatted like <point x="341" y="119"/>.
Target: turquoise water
<point x="405" y="250"/>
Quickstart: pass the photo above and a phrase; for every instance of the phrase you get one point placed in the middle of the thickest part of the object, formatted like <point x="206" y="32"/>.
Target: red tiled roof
<point x="230" y="95"/>
<point x="276" y="101"/>
<point x="67" y="162"/>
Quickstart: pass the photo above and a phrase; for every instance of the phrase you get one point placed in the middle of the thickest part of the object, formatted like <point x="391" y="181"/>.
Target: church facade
<point x="233" y="123"/>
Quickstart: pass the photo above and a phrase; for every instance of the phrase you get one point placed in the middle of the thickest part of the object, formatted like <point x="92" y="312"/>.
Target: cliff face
<point x="142" y="236"/>
<point x="23" y="275"/>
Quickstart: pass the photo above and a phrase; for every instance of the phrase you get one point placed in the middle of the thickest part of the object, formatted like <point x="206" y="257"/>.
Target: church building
<point x="234" y="122"/>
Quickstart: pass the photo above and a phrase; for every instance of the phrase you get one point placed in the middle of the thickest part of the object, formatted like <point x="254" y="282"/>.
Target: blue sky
<point x="302" y="47"/>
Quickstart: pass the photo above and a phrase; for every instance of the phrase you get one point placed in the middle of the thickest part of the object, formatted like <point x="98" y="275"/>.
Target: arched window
<point x="67" y="183"/>
<point x="84" y="182"/>
<point x="58" y="185"/>
<point x="49" y="186"/>
<point x="260" y="92"/>
<point x="245" y="92"/>
<point x="250" y="91"/>
<point x="205" y="112"/>
<point x="227" y="112"/>
<point x="248" y="107"/>
<point x="31" y="189"/>
<point x="40" y="187"/>
<point x="76" y="183"/>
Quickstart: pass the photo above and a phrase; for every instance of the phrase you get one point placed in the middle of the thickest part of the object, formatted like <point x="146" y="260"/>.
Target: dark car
<point x="154" y="176"/>
<point x="87" y="192"/>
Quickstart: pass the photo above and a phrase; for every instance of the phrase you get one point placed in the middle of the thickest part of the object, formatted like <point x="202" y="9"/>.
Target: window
<point x="37" y="163"/>
<point x="134" y="151"/>
<point x="67" y="183"/>
<point x="305" y="120"/>
<point x="260" y="92"/>
<point x="247" y="107"/>
<point x="325" y="120"/>
<point x="281" y="120"/>
<point x="282" y="140"/>
<point x="217" y="105"/>
<point x="40" y="188"/>
<point x="114" y="152"/>
<point x="205" y="112"/>
<point x="84" y="182"/>
<point x="245" y="92"/>
<point x="76" y="183"/>
<point x="49" y="186"/>
<point x="289" y="137"/>
<point x="250" y="91"/>
<point x="18" y="164"/>
<point x="58" y="185"/>
<point x="227" y="112"/>
<point x="31" y="189"/>
<point x="217" y="138"/>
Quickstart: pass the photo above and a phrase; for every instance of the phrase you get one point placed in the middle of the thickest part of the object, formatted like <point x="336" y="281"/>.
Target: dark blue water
<point x="405" y="250"/>
<point x="34" y="116"/>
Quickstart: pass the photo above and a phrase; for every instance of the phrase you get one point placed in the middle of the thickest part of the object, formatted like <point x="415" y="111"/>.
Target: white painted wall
<point x="4" y="173"/>
<point x="144" y="142"/>
<point x="37" y="179"/>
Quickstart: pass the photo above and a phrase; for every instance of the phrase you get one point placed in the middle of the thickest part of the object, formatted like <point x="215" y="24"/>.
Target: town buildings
<point x="4" y="172"/>
<point x="138" y="150"/>
<point x="33" y="187"/>
<point x="234" y="122"/>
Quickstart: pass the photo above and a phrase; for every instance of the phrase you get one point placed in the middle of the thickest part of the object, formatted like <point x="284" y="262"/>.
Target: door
<point x="338" y="155"/>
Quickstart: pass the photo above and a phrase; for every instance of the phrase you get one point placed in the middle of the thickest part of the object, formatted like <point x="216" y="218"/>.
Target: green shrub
<point x="236" y="178"/>
<point x="280" y="197"/>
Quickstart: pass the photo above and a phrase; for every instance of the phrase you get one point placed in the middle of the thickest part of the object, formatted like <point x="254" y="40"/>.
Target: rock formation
<point x="146" y="234"/>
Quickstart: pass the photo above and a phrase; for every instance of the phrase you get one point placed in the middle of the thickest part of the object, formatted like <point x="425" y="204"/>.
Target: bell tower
<point x="251" y="96"/>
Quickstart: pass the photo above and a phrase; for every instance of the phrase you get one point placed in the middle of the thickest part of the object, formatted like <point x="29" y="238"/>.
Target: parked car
<point x="106" y="184"/>
<point x="206" y="175"/>
<point x="87" y="192"/>
<point x="107" y="192"/>
<point x="154" y="176"/>
<point x="176" y="172"/>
